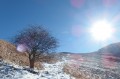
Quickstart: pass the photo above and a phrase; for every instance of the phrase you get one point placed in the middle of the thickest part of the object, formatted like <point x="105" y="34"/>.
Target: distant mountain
<point x="110" y="52"/>
<point x="112" y="49"/>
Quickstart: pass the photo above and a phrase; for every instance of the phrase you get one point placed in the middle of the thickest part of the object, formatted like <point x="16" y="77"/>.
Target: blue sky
<point x="67" y="20"/>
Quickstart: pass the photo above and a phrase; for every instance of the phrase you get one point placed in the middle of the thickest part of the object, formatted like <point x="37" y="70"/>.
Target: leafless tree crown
<point x="37" y="39"/>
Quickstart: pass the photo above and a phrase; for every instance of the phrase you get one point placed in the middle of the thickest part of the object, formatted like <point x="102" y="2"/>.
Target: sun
<point x="101" y="30"/>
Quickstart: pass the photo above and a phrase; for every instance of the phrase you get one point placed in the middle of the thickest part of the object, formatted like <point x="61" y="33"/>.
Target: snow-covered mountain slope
<point x="51" y="71"/>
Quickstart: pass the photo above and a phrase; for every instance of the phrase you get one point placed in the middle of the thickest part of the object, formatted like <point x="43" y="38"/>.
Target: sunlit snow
<point x="51" y="71"/>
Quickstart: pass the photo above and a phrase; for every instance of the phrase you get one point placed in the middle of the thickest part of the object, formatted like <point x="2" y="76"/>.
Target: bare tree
<point x="37" y="41"/>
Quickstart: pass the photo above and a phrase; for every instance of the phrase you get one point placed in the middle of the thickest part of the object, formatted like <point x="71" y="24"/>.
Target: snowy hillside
<point x="51" y="71"/>
<point x="82" y="66"/>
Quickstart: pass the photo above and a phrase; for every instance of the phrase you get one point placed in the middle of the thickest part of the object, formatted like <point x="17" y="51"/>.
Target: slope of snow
<point x="51" y="71"/>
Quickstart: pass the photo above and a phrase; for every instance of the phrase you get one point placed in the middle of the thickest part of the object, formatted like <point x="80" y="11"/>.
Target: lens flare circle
<point x="102" y="30"/>
<point x="77" y="3"/>
<point x="21" y="48"/>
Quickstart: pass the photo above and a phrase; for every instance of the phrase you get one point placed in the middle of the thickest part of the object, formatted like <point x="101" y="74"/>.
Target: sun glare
<point x="102" y="30"/>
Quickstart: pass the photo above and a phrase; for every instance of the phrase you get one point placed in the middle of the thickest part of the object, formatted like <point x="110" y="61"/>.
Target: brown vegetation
<point x="9" y="53"/>
<point x="92" y="67"/>
<point x="74" y="70"/>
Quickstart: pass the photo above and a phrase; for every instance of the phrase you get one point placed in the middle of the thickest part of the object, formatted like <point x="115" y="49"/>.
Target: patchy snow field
<point x="51" y="71"/>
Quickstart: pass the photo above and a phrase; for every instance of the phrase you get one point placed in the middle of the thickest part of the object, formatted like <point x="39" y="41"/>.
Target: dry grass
<point x="8" y="53"/>
<point x="74" y="70"/>
<point x="47" y="58"/>
<point x="92" y="70"/>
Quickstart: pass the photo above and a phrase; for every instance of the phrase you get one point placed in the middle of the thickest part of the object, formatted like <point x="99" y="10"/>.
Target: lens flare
<point x="21" y="48"/>
<point x="77" y="3"/>
<point x="109" y="3"/>
<point x="109" y="61"/>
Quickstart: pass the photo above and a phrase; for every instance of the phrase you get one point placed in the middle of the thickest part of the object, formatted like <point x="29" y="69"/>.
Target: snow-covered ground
<point x="51" y="71"/>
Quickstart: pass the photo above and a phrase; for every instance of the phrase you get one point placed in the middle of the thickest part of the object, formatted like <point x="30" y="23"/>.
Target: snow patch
<point x="51" y="71"/>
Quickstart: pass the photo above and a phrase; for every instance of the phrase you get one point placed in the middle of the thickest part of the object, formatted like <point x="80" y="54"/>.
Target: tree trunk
<point x="32" y="60"/>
